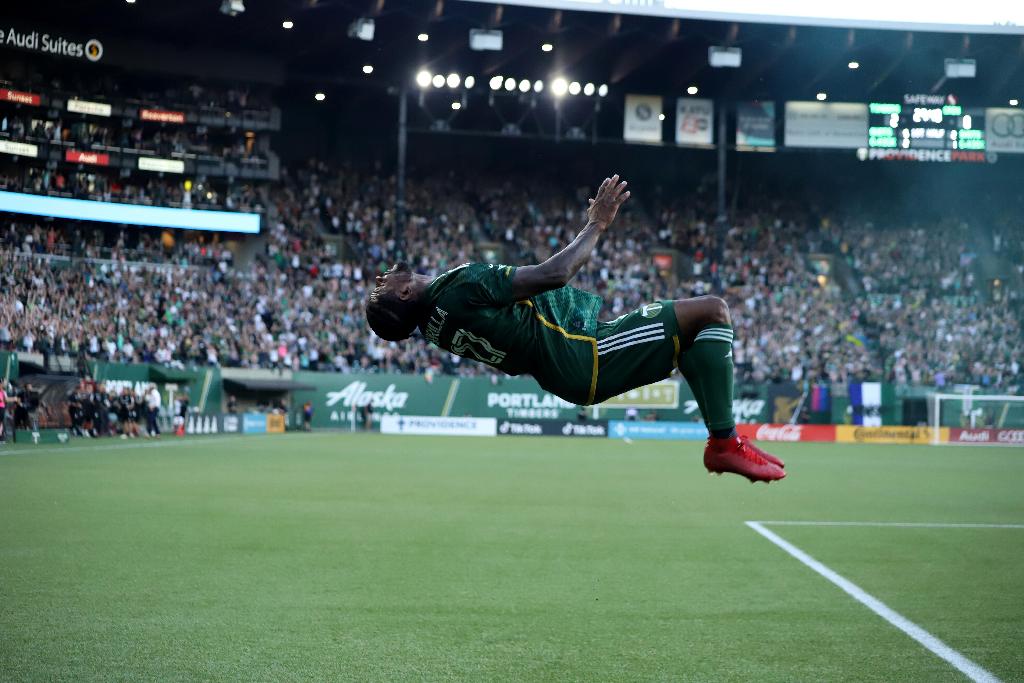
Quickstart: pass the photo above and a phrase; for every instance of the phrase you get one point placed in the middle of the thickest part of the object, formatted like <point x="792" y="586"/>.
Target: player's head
<point x="392" y="309"/>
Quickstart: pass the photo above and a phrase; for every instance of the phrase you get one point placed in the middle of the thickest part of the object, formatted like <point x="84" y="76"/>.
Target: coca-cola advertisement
<point x="787" y="432"/>
<point x="988" y="435"/>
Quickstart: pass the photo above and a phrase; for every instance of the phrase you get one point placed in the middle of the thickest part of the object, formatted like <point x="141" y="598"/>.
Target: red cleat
<point x="740" y="457"/>
<point x="764" y="454"/>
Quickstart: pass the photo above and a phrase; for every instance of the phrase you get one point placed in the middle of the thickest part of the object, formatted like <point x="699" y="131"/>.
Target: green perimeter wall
<point x="204" y="385"/>
<point x="336" y="396"/>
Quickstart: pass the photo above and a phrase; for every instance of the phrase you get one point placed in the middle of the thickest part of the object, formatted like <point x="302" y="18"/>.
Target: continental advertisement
<point x="889" y="434"/>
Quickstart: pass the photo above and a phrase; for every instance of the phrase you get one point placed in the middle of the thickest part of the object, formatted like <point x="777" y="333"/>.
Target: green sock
<point x="707" y="367"/>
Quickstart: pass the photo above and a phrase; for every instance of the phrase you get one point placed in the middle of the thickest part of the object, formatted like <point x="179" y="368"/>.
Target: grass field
<point x="338" y="557"/>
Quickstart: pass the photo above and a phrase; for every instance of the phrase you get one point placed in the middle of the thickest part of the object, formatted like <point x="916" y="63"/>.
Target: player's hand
<point x="610" y="196"/>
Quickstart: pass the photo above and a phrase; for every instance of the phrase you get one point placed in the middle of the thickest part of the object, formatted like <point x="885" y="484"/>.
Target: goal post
<point x="988" y="419"/>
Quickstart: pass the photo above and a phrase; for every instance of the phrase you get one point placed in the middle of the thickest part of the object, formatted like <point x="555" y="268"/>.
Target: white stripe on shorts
<point x="621" y="344"/>
<point x="629" y="333"/>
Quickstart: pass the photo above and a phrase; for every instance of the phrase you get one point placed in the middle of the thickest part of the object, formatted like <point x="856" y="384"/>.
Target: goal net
<point x="977" y="419"/>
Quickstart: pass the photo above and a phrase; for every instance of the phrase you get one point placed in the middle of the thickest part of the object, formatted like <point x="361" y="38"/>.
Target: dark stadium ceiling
<point x="630" y="53"/>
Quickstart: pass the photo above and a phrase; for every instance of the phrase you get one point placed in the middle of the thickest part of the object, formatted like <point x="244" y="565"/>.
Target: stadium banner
<point x="254" y="423"/>
<point x="162" y="115"/>
<point x="866" y="403"/>
<point x="8" y="365"/>
<point x="743" y="409"/>
<point x="888" y="435"/>
<point x="783" y="399"/>
<point x="511" y="398"/>
<point x="52" y="44"/>
<point x="131" y="214"/>
<point x="230" y="424"/>
<point x="835" y="125"/>
<point x="42" y="437"/>
<point x="755" y="124"/>
<point x="207" y="424"/>
<point x="275" y="423"/>
<point x="20" y="97"/>
<point x="439" y="426"/>
<point x="21" y="149"/>
<point x="695" y="119"/>
<point x="88" y="107"/>
<point x="1004" y="130"/>
<point x="339" y="399"/>
<point x="95" y="158"/>
<point x="938" y="156"/>
<point x="663" y="395"/>
<point x="552" y="428"/>
<point x="788" y="432"/>
<point x="161" y="165"/>
<point x="674" y="431"/>
<point x="643" y="119"/>
<point x="987" y="435"/>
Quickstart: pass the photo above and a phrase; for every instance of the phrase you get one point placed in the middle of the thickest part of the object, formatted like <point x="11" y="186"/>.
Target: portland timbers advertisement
<point x="345" y="401"/>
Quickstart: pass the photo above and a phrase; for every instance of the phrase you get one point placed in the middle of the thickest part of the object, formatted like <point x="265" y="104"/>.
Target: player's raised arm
<point x="558" y="270"/>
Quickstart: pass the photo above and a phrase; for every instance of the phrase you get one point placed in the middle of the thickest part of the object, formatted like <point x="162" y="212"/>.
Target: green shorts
<point x="636" y="349"/>
<point x="632" y="351"/>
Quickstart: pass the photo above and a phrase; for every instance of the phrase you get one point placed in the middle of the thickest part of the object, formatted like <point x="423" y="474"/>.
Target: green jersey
<point x="551" y="336"/>
<point x="554" y="336"/>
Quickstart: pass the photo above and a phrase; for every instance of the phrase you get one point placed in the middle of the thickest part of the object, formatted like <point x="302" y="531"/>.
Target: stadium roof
<point x="630" y="53"/>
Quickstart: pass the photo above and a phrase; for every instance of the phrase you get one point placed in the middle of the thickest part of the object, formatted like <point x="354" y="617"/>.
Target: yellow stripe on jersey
<point x="567" y="335"/>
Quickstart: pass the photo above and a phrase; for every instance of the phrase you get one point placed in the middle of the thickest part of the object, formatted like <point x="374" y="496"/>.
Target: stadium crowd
<point x="912" y="312"/>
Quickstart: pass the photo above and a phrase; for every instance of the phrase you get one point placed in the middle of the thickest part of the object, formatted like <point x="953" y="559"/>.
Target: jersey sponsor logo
<point x="650" y="310"/>
<point x="465" y="343"/>
<point x="435" y="324"/>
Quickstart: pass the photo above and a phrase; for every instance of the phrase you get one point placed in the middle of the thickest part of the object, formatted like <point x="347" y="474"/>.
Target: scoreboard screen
<point x="925" y="122"/>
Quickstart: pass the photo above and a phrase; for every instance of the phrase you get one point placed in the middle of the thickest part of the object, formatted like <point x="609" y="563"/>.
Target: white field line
<point x="110" y="444"/>
<point x="921" y="525"/>
<point x="961" y="663"/>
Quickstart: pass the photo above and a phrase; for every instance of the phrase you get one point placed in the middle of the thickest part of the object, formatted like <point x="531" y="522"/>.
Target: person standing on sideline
<point x="307" y="416"/>
<point x="152" y="411"/>
<point x="3" y="412"/>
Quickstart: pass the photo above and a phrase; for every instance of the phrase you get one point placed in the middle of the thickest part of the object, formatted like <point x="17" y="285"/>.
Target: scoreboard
<point x="925" y="122"/>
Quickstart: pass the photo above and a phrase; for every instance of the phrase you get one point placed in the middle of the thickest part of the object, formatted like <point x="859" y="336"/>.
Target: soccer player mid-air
<point x="527" y="320"/>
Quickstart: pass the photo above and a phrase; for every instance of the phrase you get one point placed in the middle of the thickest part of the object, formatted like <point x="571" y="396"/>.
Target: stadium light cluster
<point x="425" y="79"/>
<point x="559" y="86"/>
